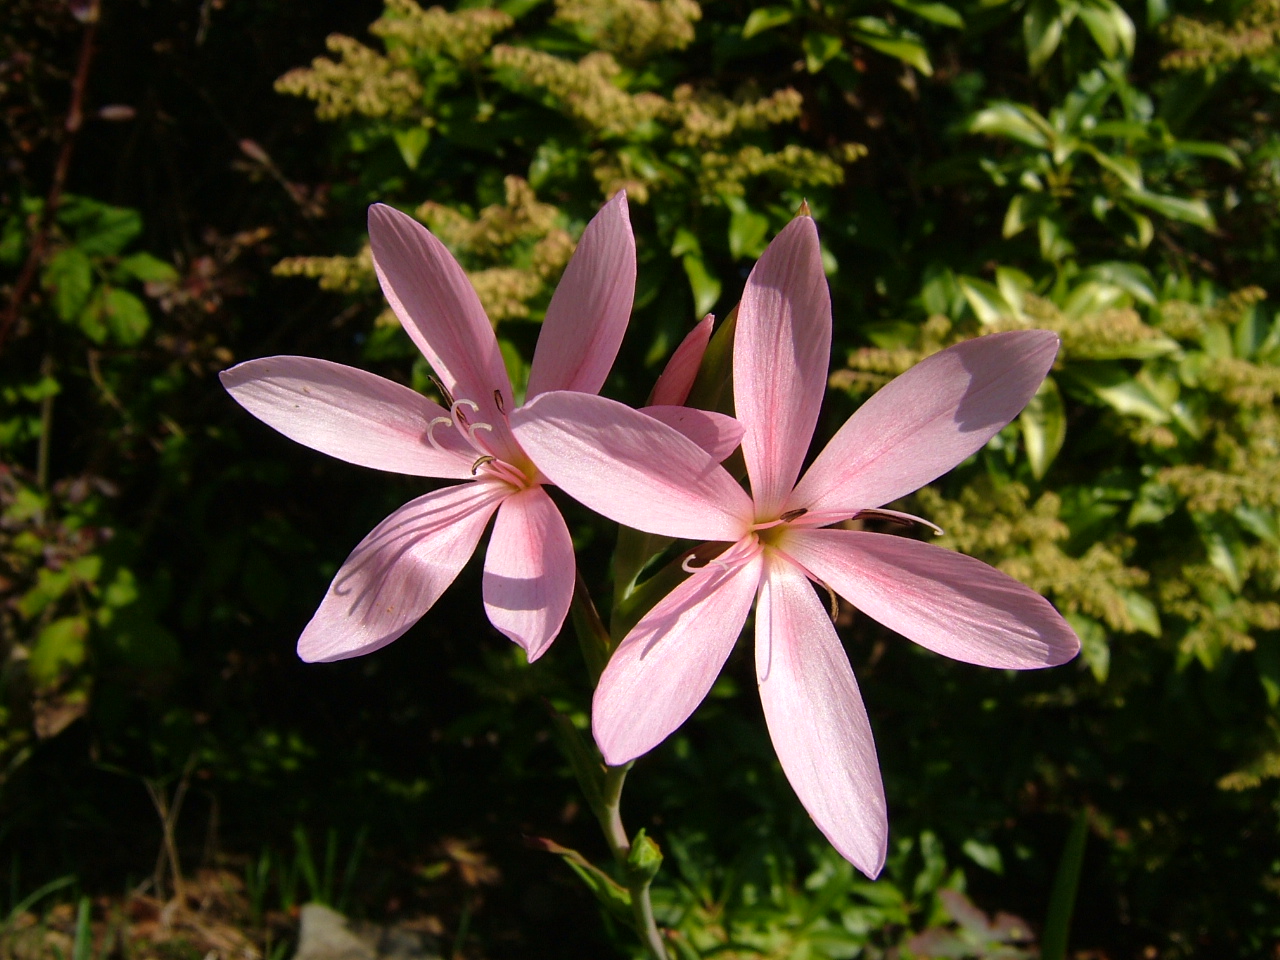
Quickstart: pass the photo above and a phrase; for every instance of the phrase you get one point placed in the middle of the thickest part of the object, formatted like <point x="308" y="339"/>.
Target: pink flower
<point x="400" y="569"/>
<point x="915" y="429"/>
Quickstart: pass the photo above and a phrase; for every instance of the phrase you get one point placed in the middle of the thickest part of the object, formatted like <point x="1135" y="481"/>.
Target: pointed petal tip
<point x="381" y="214"/>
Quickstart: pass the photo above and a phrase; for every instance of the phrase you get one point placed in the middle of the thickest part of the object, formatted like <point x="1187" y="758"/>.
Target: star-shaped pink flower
<point x="400" y="569"/>
<point x="918" y="427"/>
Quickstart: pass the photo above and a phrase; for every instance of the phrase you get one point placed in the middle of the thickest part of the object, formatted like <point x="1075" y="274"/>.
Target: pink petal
<point x="717" y="433"/>
<point x="631" y="468"/>
<point x="349" y="414"/>
<point x="399" y="570"/>
<point x="528" y="571"/>
<point x="588" y="312"/>
<point x="927" y="421"/>
<point x="816" y="719"/>
<point x="676" y="379"/>
<point x="664" y="667"/>
<point x="780" y="355"/>
<point x="440" y="311"/>
<point x="952" y="604"/>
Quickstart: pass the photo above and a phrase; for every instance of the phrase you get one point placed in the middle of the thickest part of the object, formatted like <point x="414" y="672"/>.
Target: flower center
<point x="471" y="429"/>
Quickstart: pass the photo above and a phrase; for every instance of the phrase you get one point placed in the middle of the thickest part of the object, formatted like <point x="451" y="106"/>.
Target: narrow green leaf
<point x="1110" y="27"/>
<point x="1175" y="208"/>
<point x="593" y="638"/>
<point x="1224" y="546"/>
<point x="1042" y="32"/>
<point x="1127" y="169"/>
<point x="765" y="18"/>
<point x="1043" y="423"/>
<point x="985" y="855"/>
<point x="587" y="766"/>
<point x="892" y="41"/>
<point x="1115" y="386"/>
<point x="939" y="13"/>
<point x="819" y="49"/>
<point x="1015" y="121"/>
<point x="1054" y="245"/>
<point x="705" y="287"/>
<point x="748" y="231"/>
<point x="1262" y="523"/>
<point x="411" y="142"/>
<point x="82" y="945"/>
<point x="148" y="269"/>
<point x="1142" y="612"/>
<point x="1022" y="211"/>
<point x="612" y="895"/>
<point x="1062" y="899"/>
<point x="1207" y="148"/>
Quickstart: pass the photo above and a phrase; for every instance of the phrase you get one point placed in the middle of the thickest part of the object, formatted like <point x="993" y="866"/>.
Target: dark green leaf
<point x="148" y="269"/>
<point x="69" y="277"/>
<point x="765" y="18"/>
<point x="125" y="316"/>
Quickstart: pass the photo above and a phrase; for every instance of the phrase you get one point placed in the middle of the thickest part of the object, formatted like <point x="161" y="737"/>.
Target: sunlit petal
<point x="440" y="311"/>
<point x="927" y="421"/>
<point x="676" y="379"/>
<point x="528" y="571"/>
<point x="664" y="667"/>
<point x="631" y="468"/>
<point x="782" y="346"/>
<point x="716" y="433"/>
<point x="399" y="570"/>
<point x="350" y="414"/>
<point x="817" y="722"/>
<point x="589" y="310"/>
<point x="952" y="604"/>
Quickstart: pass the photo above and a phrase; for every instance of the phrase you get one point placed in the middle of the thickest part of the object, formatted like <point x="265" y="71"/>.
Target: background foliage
<point x="1107" y="170"/>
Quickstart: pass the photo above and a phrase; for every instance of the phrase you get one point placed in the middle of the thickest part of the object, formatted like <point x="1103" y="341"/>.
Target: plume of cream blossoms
<point x="768" y="546"/>
<point x="400" y="569"/>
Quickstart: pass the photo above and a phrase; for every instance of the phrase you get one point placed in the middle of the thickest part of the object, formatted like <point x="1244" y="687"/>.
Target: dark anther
<point x="835" y="601"/>
<point x="448" y="397"/>
<point x="480" y="462"/>
<point x="497" y="399"/>
<point x="794" y="514"/>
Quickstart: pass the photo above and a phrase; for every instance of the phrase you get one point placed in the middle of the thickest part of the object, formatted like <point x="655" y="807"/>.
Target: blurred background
<point x="184" y="186"/>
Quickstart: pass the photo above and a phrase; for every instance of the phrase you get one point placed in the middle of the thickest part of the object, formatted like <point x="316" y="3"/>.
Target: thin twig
<point x="75" y="118"/>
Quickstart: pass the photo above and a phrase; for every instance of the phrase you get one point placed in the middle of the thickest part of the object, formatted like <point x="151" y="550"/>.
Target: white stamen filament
<point x="431" y="435"/>
<point x="471" y="432"/>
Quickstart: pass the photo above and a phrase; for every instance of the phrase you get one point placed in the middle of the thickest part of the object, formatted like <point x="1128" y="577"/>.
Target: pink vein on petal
<point x="666" y="665"/>
<point x="588" y="313"/>
<point x="816" y="718"/>
<point x="631" y="468"/>
<point x="717" y="433"/>
<point x="399" y="571"/>
<point x="439" y="309"/>
<point x="781" y="350"/>
<point x="951" y="604"/>
<point x="350" y="414"/>
<point x="678" y="376"/>
<point x="926" y="421"/>
<point x="529" y="571"/>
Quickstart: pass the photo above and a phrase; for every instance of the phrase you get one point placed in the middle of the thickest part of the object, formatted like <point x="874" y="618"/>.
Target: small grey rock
<point x="325" y="935"/>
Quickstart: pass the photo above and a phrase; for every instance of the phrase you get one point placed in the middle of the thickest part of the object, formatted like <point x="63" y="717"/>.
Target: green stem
<point x="638" y="882"/>
<point x="605" y="794"/>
